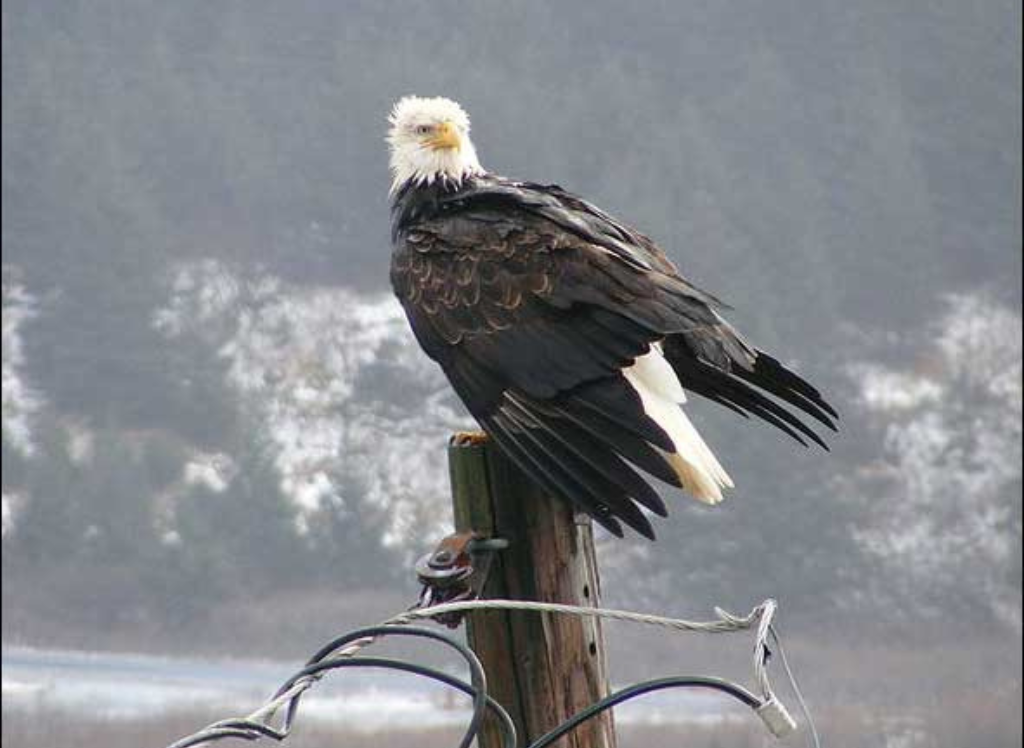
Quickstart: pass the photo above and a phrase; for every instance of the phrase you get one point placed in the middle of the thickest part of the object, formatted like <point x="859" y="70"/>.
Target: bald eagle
<point x="568" y="335"/>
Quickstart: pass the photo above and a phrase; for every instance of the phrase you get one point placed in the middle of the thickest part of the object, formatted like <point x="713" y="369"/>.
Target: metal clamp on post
<point x="456" y="570"/>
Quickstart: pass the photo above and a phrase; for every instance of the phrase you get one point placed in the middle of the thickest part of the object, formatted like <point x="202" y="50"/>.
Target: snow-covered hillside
<point x="300" y="361"/>
<point x="350" y="420"/>
<point x="946" y="483"/>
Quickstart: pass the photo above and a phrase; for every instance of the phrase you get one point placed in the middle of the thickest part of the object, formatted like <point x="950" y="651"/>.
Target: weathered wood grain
<point x="542" y="668"/>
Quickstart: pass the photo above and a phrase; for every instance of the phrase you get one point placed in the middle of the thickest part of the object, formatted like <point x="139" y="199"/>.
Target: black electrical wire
<point x="476" y="688"/>
<point x="507" y="725"/>
<point x="477" y="676"/>
<point x="640" y="689"/>
<point x="240" y="728"/>
<point x="619" y="697"/>
<point x="244" y="729"/>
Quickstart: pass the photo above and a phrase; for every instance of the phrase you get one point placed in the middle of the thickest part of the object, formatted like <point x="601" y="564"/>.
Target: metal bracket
<point x="456" y="570"/>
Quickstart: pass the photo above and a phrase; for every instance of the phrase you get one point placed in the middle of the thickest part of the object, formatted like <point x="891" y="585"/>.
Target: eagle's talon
<point x="470" y="438"/>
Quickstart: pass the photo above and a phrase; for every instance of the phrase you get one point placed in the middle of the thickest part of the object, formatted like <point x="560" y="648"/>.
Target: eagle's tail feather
<point x="698" y="469"/>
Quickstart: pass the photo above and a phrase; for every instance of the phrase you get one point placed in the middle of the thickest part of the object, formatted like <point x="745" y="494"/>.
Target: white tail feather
<point x="661" y="395"/>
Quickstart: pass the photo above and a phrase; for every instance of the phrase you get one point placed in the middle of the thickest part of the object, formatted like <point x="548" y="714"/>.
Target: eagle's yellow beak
<point x="446" y="136"/>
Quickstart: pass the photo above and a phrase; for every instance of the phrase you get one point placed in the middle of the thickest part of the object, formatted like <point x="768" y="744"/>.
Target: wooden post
<point x="542" y="668"/>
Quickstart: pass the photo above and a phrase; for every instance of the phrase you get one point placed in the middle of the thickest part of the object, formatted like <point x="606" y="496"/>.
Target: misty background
<point x="220" y="438"/>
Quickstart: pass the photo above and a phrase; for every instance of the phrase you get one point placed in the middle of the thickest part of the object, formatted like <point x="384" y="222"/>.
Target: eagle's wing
<point x="711" y="359"/>
<point x="536" y="309"/>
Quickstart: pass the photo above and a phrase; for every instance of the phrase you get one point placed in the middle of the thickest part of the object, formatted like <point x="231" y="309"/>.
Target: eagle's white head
<point x="429" y="139"/>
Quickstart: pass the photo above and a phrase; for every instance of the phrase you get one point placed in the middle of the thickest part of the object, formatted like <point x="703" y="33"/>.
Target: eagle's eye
<point x="423" y="129"/>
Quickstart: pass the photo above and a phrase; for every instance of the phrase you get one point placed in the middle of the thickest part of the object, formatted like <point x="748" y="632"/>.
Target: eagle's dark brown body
<point x="533" y="302"/>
